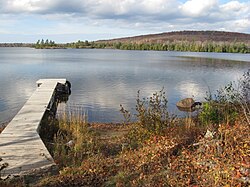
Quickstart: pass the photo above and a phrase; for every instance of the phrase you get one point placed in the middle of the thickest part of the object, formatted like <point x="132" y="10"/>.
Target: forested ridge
<point x="198" y="36"/>
<point x="197" y="41"/>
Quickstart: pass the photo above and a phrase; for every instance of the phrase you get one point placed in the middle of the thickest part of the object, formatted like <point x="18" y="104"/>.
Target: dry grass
<point x="178" y="158"/>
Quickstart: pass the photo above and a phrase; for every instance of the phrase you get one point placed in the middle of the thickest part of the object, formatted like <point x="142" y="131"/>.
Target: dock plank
<point x="20" y="144"/>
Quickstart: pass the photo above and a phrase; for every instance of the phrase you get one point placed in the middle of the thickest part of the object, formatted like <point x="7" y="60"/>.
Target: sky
<point x="73" y="20"/>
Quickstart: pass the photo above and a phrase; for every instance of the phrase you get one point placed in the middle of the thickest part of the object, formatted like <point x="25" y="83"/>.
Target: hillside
<point x="201" y="36"/>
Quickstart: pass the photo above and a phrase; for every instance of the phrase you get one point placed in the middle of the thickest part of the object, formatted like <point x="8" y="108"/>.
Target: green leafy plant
<point x="152" y="118"/>
<point x="152" y="112"/>
<point x="244" y="86"/>
<point x="209" y="114"/>
<point x="224" y="107"/>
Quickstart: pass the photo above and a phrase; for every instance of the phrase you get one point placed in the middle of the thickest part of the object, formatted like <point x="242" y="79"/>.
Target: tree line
<point x="235" y="47"/>
<point x="15" y="45"/>
<point x="41" y="44"/>
<point x="195" y="46"/>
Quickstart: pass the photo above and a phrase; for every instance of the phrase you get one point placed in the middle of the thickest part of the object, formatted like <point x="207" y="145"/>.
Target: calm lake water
<point x="103" y="79"/>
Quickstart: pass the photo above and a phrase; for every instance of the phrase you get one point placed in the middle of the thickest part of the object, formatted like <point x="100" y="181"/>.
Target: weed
<point x="152" y="113"/>
<point x="228" y="103"/>
<point x="152" y="118"/>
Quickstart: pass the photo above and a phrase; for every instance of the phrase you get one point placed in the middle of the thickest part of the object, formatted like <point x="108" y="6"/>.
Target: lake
<point x="102" y="79"/>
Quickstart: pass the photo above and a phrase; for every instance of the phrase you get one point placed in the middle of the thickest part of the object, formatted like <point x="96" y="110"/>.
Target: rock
<point x="185" y="104"/>
<point x="209" y="134"/>
<point x="199" y="104"/>
<point x="71" y="143"/>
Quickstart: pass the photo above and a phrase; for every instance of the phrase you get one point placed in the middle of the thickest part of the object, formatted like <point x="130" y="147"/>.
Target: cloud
<point x="235" y="10"/>
<point x="16" y="6"/>
<point x="195" y="8"/>
<point x="123" y="16"/>
<point x="242" y="24"/>
<point x="43" y="6"/>
<point x="233" y="6"/>
<point x="126" y="9"/>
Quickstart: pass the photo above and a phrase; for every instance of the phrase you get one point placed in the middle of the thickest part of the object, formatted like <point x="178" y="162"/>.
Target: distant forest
<point x="234" y="47"/>
<point x="16" y="45"/>
<point x="195" y="41"/>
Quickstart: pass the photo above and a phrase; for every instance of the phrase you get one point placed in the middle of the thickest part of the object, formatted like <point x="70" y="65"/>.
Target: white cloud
<point x="24" y="5"/>
<point x="159" y="6"/>
<point x="197" y="7"/>
<point x="233" y="6"/>
<point x="241" y="24"/>
<point x="235" y="10"/>
<point x="110" y="7"/>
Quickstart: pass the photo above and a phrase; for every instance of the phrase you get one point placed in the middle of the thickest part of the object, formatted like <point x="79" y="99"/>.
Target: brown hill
<point x="197" y="36"/>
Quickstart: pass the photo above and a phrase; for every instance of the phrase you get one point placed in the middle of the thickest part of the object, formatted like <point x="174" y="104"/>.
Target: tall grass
<point x="69" y="138"/>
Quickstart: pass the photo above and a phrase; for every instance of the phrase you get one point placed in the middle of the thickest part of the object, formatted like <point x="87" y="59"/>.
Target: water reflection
<point x="104" y="79"/>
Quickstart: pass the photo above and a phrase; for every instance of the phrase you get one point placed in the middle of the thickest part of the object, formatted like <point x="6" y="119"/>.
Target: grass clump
<point x="75" y="141"/>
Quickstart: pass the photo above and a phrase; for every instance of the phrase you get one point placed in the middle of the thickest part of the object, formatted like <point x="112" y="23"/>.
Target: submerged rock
<point x="185" y="104"/>
<point x="188" y="105"/>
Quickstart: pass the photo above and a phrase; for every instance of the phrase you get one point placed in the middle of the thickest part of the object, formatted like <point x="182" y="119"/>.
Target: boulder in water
<point x="185" y="103"/>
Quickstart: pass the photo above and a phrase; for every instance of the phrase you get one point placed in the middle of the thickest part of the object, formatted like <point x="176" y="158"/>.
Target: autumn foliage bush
<point x="224" y="161"/>
<point x="152" y="117"/>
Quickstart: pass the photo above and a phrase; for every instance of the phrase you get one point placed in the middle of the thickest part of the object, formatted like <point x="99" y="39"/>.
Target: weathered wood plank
<point x="20" y="143"/>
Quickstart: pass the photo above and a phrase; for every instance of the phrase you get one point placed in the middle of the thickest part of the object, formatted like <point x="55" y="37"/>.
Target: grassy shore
<point x="181" y="157"/>
<point x="211" y="148"/>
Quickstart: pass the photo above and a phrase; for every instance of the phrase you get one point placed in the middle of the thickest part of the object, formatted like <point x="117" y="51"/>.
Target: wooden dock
<point x="20" y="144"/>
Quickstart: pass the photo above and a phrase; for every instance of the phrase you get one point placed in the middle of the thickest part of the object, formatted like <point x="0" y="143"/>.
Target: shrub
<point x="152" y="118"/>
<point x="245" y="86"/>
<point x="229" y="100"/>
<point x="152" y="112"/>
<point x="209" y="114"/>
<point x="245" y="93"/>
<point x="228" y="103"/>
